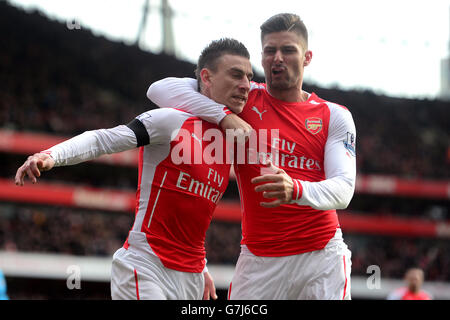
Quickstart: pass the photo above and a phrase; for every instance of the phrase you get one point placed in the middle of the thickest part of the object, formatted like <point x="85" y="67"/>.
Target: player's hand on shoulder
<point x="33" y="167"/>
<point x="234" y="126"/>
<point x="276" y="184"/>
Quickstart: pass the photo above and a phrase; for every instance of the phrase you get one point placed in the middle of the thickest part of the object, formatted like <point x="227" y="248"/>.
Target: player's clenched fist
<point x="277" y="184"/>
<point x="33" y="167"/>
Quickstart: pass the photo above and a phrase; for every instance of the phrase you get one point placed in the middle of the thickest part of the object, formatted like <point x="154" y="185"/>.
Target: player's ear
<point x="308" y="57"/>
<point x="205" y="76"/>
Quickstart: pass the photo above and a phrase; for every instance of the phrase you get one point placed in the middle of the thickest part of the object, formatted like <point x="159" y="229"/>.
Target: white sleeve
<point x="92" y="144"/>
<point x="181" y="93"/>
<point x="336" y="191"/>
<point x="151" y="127"/>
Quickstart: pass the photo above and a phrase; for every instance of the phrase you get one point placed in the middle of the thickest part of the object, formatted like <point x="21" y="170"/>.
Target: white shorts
<point x="317" y="275"/>
<point x="134" y="277"/>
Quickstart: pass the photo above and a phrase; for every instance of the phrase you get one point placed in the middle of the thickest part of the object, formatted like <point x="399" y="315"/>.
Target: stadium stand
<point x="59" y="83"/>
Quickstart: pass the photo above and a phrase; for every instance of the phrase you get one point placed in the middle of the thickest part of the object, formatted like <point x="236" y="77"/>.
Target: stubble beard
<point x="286" y="83"/>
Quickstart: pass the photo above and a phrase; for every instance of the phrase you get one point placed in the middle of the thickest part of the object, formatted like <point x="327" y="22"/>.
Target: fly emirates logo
<point x="204" y="190"/>
<point x="255" y="147"/>
<point x="283" y="156"/>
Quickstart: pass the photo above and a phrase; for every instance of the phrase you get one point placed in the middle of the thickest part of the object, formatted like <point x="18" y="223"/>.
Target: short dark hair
<point x="285" y="22"/>
<point x="216" y="49"/>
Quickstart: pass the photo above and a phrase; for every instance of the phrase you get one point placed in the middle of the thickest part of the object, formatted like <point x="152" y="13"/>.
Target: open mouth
<point x="277" y="70"/>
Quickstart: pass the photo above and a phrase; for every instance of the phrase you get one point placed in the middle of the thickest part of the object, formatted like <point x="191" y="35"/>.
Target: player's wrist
<point x="223" y="115"/>
<point x="47" y="152"/>
<point x="205" y="268"/>
<point x="51" y="157"/>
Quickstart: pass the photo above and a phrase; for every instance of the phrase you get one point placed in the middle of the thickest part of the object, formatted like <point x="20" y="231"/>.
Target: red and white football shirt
<point x="176" y="197"/>
<point x="181" y="180"/>
<point x="299" y="149"/>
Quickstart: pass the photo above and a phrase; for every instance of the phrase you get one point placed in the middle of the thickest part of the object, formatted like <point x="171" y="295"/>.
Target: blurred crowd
<point x="402" y="137"/>
<point x="63" y="82"/>
<point x="395" y="254"/>
<point x="92" y="233"/>
<point x="67" y="81"/>
<point x="62" y="230"/>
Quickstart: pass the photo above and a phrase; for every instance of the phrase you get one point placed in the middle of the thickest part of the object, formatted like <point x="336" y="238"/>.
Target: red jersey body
<point x="299" y="150"/>
<point x="176" y="197"/>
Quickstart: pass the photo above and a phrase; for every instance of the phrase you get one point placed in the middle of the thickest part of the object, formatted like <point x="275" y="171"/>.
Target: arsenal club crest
<point x="313" y="125"/>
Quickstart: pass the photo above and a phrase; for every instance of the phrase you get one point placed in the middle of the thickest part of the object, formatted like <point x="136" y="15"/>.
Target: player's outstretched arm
<point x="33" y="167"/>
<point x="84" y="147"/>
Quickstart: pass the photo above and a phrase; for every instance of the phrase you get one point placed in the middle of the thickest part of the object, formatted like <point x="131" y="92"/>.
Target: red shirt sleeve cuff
<point x="298" y="190"/>
<point x="226" y="110"/>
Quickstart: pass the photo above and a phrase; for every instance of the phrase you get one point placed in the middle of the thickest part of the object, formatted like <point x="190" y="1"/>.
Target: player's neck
<point x="414" y="289"/>
<point x="289" y="95"/>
